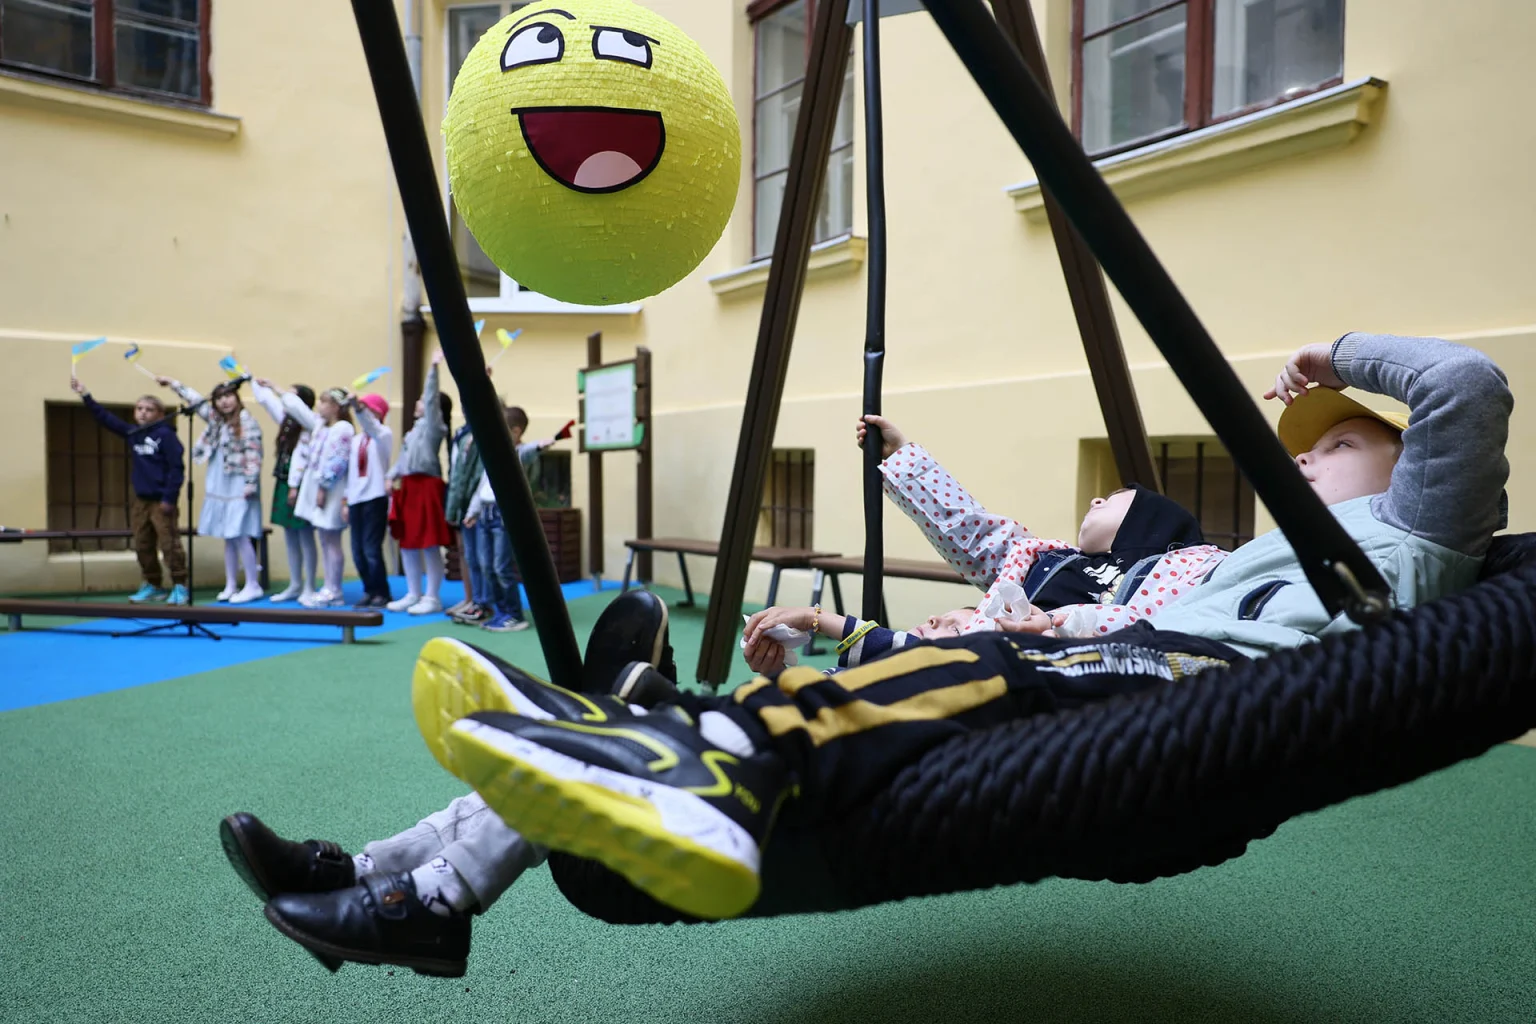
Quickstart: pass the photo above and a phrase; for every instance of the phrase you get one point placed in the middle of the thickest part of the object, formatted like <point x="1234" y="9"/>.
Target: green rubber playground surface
<point x="116" y="903"/>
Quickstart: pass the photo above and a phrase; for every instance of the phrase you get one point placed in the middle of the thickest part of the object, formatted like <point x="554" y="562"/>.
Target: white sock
<point x="720" y="731"/>
<point x="441" y="889"/>
<point x="362" y="864"/>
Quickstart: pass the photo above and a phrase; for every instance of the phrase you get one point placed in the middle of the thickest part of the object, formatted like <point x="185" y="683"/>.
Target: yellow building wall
<point x="279" y="242"/>
<point x="282" y="243"/>
<point x="1421" y="226"/>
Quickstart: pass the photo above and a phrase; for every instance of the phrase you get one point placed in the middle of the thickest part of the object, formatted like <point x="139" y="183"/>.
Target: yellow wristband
<point x="848" y="641"/>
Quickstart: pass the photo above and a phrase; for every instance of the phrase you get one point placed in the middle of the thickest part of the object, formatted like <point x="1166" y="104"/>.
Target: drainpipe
<point x="413" y="328"/>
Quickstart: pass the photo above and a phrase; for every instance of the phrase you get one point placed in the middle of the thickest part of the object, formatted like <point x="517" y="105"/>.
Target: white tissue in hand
<point x="1005" y="600"/>
<point x="788" y="637"/>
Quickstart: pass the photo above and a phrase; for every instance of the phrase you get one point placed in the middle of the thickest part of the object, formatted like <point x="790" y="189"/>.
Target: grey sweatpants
<point x="469" y="835"/>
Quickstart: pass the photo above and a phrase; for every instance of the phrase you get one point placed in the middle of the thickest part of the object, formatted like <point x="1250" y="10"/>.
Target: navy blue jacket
<point x="157" y="468"/>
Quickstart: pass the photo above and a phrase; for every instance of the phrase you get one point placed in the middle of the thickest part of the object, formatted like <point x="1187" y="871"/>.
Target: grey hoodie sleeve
<point x="1448" y="483"/>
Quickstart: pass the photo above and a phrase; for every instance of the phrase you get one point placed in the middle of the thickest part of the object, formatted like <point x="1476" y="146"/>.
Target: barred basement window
<point x="788" y="509"/>
<point x="1201" y="476"/>
<point x="87" y="479"/>
<point x="550" y="480"/>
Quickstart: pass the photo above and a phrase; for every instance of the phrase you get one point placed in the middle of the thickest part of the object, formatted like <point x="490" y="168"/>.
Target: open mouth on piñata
<point x="594" y="149"/>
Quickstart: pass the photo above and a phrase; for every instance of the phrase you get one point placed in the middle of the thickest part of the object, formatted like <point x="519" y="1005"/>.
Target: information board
<point x="609" y="393"/>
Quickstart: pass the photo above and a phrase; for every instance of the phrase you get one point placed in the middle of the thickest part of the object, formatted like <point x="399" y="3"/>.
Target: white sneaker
<point x="248" y="593"/>
<point x="322" y="599"/>
<point x="426" y="606"/>
<point x="404" y="603"/>
<point x="227" y="593"/>
<point x="290" y="592"/>
<point x="457" y="607"/>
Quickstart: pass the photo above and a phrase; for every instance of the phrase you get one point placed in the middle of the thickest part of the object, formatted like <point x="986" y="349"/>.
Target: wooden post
<point x="831" y="40"/>
<point x="413" y="340"/>
<point x="594" y="471"/>
<point x="1085" y="285"/>
<point x="643" y="500"/>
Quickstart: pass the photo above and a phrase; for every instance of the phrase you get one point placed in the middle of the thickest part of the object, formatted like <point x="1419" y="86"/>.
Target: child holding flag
<point x="231" y="448"/>
<point x="367" y="505"/>
<point x="323" y="487"/>
<point x="416" y="509"/>
<point x="157" y="476"/>
<point x="293" y="436"/>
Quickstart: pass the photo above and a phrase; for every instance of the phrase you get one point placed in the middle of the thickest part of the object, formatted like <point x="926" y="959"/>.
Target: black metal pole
<point x="874" y="316"/>
<point x="1335" y="566"/>
<point x="406" y="134"/>
<point x="191" y="521"/>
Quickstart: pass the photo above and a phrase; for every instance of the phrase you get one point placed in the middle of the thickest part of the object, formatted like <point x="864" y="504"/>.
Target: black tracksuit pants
<point x="846" y="735"/>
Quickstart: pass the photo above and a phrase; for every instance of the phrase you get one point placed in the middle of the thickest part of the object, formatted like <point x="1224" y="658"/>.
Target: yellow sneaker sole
<point x="452" y="681"/>
<point x="666" y="841"/>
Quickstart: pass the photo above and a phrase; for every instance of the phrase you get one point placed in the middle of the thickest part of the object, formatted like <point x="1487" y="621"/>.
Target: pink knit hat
<point x="377" y="404"/>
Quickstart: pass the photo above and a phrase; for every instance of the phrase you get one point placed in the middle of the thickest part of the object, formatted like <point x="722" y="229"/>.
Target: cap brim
<point x="1318" y="411"/>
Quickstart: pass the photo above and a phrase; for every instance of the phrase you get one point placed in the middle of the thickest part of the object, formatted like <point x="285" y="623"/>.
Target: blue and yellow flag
<point x="132" y="354"/>
<point x="369" y="377"/>
<point x="479" y="326"/>
<point x="231" y="368"/>
<point x="81" y="349"/>
<point x="505" y="338"/>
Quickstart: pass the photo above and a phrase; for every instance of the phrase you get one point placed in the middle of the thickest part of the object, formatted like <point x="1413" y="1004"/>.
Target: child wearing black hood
<point x="1135" y="548"/>
<point x="157" y="474"/>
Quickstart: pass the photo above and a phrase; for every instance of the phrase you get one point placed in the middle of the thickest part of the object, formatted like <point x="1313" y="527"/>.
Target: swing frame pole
<point x="405" y="132"/>
<point x="1340" y="573"/>
<point x="826" y="67"/>
<point x="874" y="317"/>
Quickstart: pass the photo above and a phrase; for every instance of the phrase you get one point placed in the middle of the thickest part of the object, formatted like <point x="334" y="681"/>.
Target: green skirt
<point x="282" y="512"/>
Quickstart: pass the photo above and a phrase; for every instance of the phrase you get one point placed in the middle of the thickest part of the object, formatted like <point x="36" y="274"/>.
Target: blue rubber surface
<point x="44" y="665"/>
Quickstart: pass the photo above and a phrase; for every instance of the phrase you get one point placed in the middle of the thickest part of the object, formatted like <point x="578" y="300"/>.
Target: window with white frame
<point x="782" y="43"/>
<point x="1146" y="70"/>
<point x="489" y="289"/>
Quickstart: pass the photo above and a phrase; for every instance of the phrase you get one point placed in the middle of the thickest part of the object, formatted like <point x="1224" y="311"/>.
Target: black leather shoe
<point x="454" y="679"/>
<point x="378" y="921"/>
<point x="647" y="797"/>
<point x="641" y="683"/>
<point x="271" y="865"/>
<point x="632" y="628"/>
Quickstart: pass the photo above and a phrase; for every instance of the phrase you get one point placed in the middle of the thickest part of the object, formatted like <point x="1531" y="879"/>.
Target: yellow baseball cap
<point x="1319" y="410"/>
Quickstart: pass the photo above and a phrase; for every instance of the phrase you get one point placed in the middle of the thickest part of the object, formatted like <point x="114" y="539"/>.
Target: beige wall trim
<point x="1324" y="120"/>
<point x="59" y="98"/>
<point x="836" y="256"/>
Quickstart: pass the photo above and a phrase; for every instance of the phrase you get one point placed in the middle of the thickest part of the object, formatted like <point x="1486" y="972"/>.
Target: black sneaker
<point x="272" y="865"/>
<point x="632" y="628"/>
<point x="454" y="679"/>
<point x="641" y="683"/>
<point x="647" y="797"/>
<point x="381" y="920"/>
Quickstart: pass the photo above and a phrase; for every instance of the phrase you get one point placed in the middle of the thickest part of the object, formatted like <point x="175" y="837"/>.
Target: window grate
<point x="1202" y="477"/>
<point x="88" y="477"/>
<point x="788" y="514"/>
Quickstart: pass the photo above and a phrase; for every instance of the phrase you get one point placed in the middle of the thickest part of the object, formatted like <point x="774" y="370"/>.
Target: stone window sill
<point x="835" y="256"/>
<point x="1324" y="120"/>
<point x="54" y="97"/>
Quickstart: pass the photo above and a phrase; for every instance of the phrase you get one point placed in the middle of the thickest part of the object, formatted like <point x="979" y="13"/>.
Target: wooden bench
<point x="193" y="617"/>
<point x="12" y="535"/>
<point x="779" y="558"/>
<point x="831" y="567"/>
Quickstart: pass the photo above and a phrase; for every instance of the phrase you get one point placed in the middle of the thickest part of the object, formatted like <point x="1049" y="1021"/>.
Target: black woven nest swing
<point x="1176" y="777"/>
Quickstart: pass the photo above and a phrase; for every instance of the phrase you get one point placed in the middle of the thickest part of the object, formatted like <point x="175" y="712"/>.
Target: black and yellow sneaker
<point x="647" y="796"/>
<point x="454" y="679"/>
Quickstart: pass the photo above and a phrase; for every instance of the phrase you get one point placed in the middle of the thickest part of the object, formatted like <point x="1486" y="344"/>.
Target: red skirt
<point x="416" y="512"/>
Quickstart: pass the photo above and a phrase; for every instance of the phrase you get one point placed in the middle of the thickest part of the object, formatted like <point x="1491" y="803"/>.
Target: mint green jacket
<point x="1427" y="533"/>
